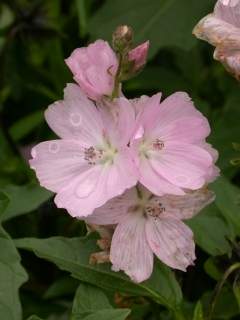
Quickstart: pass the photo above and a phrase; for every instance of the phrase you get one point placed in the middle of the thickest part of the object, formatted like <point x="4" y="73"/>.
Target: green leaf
<point x="114" y="314"/>
<point x="228" y="201"/>
<point x="62" y="287"/>
<point x="198" y="312"/>
<point x="26" y="125"/>
<point x="4" y="201"/>
<point x="24" y="199"/>
<point x="82" y="16"/>
<point x="236" y="290"/>
<point x="163" y="22"/>
<point x="12" y="276"/>
<point x="91" y="303"/>
<point x="89" y="299"/>
<point x="72" y="255"/>
<point x="210" y="231"/>
<point x="212" y="270"/>
<point x="34" y="318"/>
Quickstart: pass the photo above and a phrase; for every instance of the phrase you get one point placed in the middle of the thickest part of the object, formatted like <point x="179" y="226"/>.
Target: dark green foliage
<point x="35" y="38"/>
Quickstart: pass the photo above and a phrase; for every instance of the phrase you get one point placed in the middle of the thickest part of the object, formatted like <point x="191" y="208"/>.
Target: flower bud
<point x="122" y="38"/>
<point x="138" y="56"/>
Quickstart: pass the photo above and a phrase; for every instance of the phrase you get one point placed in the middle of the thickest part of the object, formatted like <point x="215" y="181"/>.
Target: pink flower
<point x="222" y="30"/>
<point x="94" y="69"/>
<point x="90" y="163"/>
<point x="169" y="142"/>
<point x="138" y="56"/>
<point x="147" y="225"/>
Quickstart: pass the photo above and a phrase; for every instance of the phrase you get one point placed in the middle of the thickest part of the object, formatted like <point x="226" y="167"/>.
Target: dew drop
<point x="53" y="147"/>
<point x="85" y="189"/>
<point x="75" y="119"/>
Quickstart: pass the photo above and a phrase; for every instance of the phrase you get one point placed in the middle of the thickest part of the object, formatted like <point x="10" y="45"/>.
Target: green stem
<point x="117" y="81"/>
<point x="219" y="287"/>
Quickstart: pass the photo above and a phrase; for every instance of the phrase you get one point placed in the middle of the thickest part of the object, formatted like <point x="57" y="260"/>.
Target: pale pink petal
<point x="76" y="118"/>
<point x="95" y="187"/>
<point x="187" y="206"/>
<point x="178" y="105"/>
<point x="119" y="120"/>
<point x="94" y="68"/>
<point x="130" y="251"/>
<point x="183" y="165"/>
<point x="58" y="162"/>
<point x="216" y="31"/>
<point x="229" y="11"/>
<point x="115" y="209"/>
<point x="138" y="56"/>
<point x="156" y="183"/>
<point x="188" y="129"/>
<point x="172" y="242"/>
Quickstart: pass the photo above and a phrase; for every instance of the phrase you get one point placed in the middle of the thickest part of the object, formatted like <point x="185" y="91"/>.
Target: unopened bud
<point x="138" y="56"/>
<point x="122" y="38"/>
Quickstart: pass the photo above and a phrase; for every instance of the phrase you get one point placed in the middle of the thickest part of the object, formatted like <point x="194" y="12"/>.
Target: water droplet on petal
<point x="53" y="147"/>
<point x="76" y="119"/>
<point x="85" y="189"/>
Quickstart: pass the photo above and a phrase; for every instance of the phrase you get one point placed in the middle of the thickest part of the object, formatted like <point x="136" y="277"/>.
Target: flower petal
<point x="187" y="206"/>
<point x="172" y="242"/>
<point x="156" y="183"/>
<point x="95" y="187"/>
<point x="76" y="117"/>
<point x="115" y="209"/>
<point x="58" y="162"/>
<point x="182" y="164"/>
<point x="130" y="251"/>
<point x="229" y="11"/>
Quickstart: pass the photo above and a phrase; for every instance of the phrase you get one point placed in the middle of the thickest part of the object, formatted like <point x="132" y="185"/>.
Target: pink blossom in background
<point x="148" y="225"/>
<point x="91" y="162"/>
<point x="222" y="30"/>
<point x="94" y="68"/>
<point x="169" y="142"/>
<point x="138" y="56"/>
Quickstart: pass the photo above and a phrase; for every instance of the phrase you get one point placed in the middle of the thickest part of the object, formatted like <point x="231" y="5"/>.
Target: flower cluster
<point x="139" y="166"/>
<point x="222" y="30"/>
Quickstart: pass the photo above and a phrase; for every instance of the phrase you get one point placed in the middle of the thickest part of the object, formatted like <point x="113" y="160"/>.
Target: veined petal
<point x="154" y="182"/>
<point x="182" y="164"/>
<point x="115" y="209"/>
<point x="187" y="129"/>
<point x="229" y="11"/>
<point x="58" y="162"/>
<point x="172" y="242"/>
<point x="76" y="117"/>
<point x="130" y="251"/>
<point x="95" y="187"/>
<point x="187" y="206"/>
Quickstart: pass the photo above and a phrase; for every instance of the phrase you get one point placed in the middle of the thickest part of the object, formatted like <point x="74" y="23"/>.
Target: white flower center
<point x="103" y="155"/>
<point x="146" y="147"/>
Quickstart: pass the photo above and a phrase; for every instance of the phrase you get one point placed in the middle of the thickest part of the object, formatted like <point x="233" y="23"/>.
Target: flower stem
<point x="117" y="80"/>
<point x="219" y="287"/>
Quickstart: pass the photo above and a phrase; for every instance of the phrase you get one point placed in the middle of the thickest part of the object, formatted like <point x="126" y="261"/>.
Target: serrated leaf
<point x="12" y="276"/>
<point x="73" y="254"/>
<point x="163" y="22"/>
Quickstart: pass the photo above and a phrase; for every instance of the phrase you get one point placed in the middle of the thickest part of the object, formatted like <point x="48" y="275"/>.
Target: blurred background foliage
<point x="54" y="277"/>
